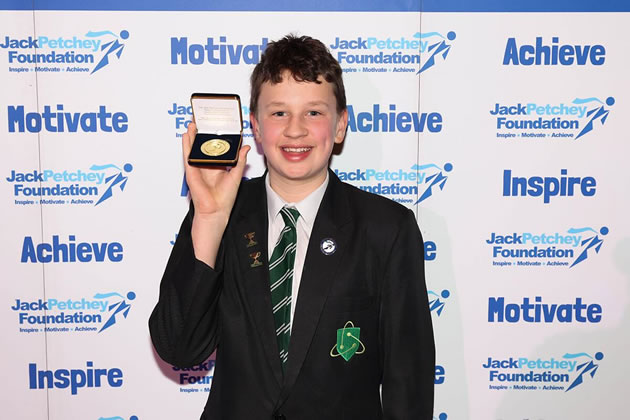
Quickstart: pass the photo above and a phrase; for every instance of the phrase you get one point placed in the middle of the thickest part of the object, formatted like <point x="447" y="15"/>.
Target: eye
<point x="314" y="113"/>
<point x="279" y="114"/>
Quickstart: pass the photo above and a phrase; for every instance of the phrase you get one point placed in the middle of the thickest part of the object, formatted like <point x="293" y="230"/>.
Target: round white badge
<point x="328" y="246"/>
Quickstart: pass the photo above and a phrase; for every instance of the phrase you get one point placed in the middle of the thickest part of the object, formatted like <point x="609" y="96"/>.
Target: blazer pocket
<point x="344" y="304"/>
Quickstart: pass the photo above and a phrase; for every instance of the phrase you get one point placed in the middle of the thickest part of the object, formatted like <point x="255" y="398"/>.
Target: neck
<point x="294" y="191"/>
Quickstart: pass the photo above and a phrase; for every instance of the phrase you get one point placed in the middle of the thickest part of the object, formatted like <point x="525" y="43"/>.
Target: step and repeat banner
<point x="501" y="127"/>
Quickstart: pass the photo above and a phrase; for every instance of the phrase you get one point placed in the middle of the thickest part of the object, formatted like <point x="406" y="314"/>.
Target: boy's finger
<point x="192" y="132"/>
<point x="186" y="146"/>
<point x="242" y="161"/>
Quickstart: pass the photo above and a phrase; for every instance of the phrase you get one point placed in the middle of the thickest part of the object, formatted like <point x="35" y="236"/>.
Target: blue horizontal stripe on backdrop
<point x="327" y="5"/>
<point x="525" y="5"/>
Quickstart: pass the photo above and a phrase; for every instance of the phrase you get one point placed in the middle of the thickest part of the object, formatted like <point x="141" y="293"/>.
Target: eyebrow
<point x="312" y="103"/>
<point x="323" y="103"/>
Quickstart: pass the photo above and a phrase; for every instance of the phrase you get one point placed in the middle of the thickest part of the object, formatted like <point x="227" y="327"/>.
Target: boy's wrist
<point x="206" y="233"/>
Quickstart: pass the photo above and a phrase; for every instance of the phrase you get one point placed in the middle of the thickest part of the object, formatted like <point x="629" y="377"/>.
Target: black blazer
<point x="375" y="278"/>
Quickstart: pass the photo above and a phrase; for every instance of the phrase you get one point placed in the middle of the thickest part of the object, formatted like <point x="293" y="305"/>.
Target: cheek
<point x="324" y="132"/>
<point x="269" y="132"/>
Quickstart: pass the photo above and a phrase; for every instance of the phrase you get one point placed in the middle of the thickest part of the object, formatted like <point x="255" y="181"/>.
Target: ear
<point x="342" y="126"/>
<point x="253" y="121"/>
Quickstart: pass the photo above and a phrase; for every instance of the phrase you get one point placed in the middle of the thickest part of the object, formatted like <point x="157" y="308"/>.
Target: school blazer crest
<point x="374" y="279"/>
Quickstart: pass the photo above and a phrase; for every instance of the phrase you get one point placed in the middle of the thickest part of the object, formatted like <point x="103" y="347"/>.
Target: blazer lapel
<point x="252" y="218"/>
<point x="317" y="276"/>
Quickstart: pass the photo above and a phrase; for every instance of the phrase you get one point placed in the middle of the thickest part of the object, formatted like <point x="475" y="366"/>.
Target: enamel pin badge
<point x="348" y="342"/>
<point x="328" y="246"/>
<point x="255" y="262"/>
<point x="250" y="239"/>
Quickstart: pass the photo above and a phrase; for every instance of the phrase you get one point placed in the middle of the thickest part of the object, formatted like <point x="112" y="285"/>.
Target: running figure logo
<point x="594" y="242"/>
<point x="117" y="179"/>
<point x="112" y="47"/>
<point x="598" y="113"/>
<point x="435" y="304"/>
<point x="438" y="179"/>
<point x="121" y="307"/>
<point x="588" y="366"/>
<point x="441" y="47"/>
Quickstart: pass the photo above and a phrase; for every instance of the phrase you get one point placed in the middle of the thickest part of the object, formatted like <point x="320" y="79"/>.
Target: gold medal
<point x="215" y="147"/>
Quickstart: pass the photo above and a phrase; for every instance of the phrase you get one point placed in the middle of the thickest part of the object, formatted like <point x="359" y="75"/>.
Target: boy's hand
<point x="213" y="192"/>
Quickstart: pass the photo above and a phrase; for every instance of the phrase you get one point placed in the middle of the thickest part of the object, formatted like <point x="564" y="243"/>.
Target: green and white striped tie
<point x="281" y="279"/>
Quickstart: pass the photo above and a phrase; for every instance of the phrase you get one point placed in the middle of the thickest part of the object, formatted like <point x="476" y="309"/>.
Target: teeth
<point x="296" y="149"/>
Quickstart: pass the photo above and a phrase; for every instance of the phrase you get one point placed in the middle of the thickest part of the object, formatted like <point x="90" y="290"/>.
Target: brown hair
<point x="305" y="58"/>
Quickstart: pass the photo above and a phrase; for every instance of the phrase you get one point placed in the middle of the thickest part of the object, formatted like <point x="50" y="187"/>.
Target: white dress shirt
<point x="308" y="208"/>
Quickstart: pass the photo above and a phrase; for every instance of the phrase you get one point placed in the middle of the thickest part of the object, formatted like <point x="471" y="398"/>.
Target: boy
<point x="311" y="291"/>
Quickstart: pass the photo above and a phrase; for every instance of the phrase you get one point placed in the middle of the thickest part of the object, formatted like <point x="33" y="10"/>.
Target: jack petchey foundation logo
<point x="90" y="186"/>
<point x="565" y="120"/>
<point x="412" y="186"/>
<point x="197" y="378"/>
<point x="84" y="53"/>
<point x="69" y="315"/>
<point x="415" y="53"/>
<point x="565" y="248"/>
<point x="541" y="374"/>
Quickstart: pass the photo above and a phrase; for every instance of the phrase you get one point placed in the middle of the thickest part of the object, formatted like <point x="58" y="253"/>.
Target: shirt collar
<point x="308" y="207"/>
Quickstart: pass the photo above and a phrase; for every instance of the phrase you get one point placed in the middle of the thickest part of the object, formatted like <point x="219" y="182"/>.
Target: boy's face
<point x="297" y="125"/>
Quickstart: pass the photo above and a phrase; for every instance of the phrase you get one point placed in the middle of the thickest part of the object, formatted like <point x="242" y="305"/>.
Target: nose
<point x="295" y="127"/>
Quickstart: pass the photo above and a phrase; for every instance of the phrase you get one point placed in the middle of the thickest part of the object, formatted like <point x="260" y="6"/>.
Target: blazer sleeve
<point x="406" y="332"/>
<point x="184" y="325"/>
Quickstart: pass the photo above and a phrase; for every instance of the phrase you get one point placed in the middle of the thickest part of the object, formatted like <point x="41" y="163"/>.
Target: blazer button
<point x="279" y="416"/>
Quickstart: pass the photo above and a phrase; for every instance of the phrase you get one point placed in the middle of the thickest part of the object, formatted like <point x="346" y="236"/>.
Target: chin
<point x="300" y="174"/>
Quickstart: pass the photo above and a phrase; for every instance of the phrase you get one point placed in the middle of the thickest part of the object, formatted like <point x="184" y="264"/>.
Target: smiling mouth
<point x="296" y="149"/>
